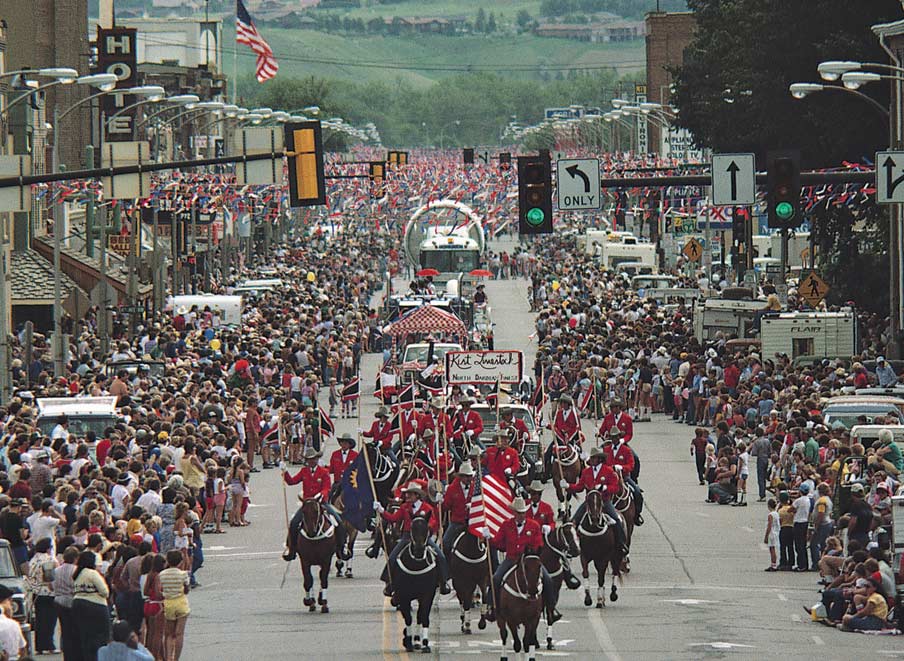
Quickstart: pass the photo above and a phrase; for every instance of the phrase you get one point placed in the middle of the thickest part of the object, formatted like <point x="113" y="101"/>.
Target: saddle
<point x="481" y="546"/>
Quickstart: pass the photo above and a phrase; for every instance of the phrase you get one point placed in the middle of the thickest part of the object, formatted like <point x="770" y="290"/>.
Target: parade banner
<point x="484" y="367"/>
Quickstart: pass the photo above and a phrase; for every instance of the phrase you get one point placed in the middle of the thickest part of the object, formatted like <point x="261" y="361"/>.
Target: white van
<point x="83" y="413"/>
<point x="228" y="307"/>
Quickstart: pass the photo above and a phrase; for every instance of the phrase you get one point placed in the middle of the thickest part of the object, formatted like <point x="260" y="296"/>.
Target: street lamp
<point x="801" y="90"/>
<point x="150" y="94"/>
<point x="51" y="72"/>
<point x="186" y="100"/>
<point x="854" y="79"/>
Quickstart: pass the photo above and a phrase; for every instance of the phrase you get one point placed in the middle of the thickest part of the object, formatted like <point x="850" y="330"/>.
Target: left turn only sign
<point x="578" y="183"/>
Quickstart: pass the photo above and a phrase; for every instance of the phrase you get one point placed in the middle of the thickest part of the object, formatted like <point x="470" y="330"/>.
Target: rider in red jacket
<point x="502" y="461"/>
<point x="315" y="484"/>
<point x="617" y="419"/>
<point x="566" y="426"/>
<point x="621" y="457"/>
<point x="514" y="537"/>
<point x="457" y="501"/>
<point x="598" y="477"/>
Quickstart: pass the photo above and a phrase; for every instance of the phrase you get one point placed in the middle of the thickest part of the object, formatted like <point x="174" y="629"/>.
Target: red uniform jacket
<point x="314" y="482"/>
<point x="620" y="456"/>
<point x="406" y="514"/>
<point x="498" y="459"/>
<point x="521" y="433"/>
<point x="435" y="422"/>
<point x="514" y="543"/>
<point x="470" y="422"/>
<point x="624" y="423"/>
<point x="566" y="423"/>
<point x="602" y="479"/>
<point x="338" y="465"/>
<point x="408" y="421"/>
<point x="457" y="501"/>
<point x="381" y="432"/>
<point x="542" y="513"/>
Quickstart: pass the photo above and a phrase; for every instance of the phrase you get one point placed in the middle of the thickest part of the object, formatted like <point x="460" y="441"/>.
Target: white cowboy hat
<point x="518" y="505"/>
<point x="466" y="469"/>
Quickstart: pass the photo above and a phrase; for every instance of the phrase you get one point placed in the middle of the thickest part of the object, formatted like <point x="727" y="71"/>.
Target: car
<point x="11" y="577"/>
<point x="83" y="413"/>
<point x="152" y="369"/>
<point x="868" y="434"/>
<point x="488" y="416"/>
<point x="848" y="409"/>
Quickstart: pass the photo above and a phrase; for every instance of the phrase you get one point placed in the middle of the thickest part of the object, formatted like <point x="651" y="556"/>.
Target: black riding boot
<point x="571" y="581"/>
<point x="638" y="507"/>
<point x="289" y="553"/>
<point x="341" y="539"/>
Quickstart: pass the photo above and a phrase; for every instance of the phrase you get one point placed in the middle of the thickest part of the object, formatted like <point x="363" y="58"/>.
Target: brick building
<point x="53" y="33"/>
<point x="668" y="35"/>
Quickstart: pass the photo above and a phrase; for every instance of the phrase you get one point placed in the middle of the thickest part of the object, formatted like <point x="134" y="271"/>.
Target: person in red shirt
<point x="502" y="461"/>
<point x="617" y="418"/>
<point x="731" y="375"/>
<point x="342" y="458"/>
<point x="456" y="501"/>
<point x="598" y="477"/>
<point x="381" y="432"/>
<point x="435" y="419"/>
<point x="621" y="457"/>
<point x="315" y="484"/>
<point x="515" y="536"/>
<point x="518" y="431"/>
<point x="468" y="425"/>
<point x="566" y="427"/>
<point x="252" y="432"/>
<point x="414" y="507"/>
<point x="542" y="513"/>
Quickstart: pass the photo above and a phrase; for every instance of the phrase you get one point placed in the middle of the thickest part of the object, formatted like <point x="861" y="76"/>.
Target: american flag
<point x="490" y="505"/>
<point x="246" y="33"/>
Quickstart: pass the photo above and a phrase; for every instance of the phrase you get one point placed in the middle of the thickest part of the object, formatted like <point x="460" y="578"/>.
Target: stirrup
<point x="638" y="520"/>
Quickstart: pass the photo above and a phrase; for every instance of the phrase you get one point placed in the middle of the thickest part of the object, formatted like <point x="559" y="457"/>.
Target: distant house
<point x="564" y="31"/>
<point x="421" y="25"/>
<point x="617" y="31"/>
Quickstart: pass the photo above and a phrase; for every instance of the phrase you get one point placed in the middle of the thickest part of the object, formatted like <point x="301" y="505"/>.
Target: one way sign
<point x="578" y="183"/>
<point x="890" y="177"/>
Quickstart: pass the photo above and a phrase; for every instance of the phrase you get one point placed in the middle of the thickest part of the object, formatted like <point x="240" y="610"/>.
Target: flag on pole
<point x="357" y="495"/>
<point x="246" y="33"/>
<point x="327" y="427"/>
<point x="406" y="398"/>
<point x="586" y="397"/>
<point x="351" y="390"/>
<point x="490" y="505"/>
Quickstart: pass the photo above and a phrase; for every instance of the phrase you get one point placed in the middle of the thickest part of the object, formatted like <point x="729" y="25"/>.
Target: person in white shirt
<point x="61" y="430"/>
<point x="801" y="508"/>
<point x="12" y="642"/>
<point x="121" y="496"/>
<point x="151" y="500"/>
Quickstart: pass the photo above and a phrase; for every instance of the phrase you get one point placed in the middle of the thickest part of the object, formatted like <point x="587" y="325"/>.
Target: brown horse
<point x="350" y="537"/>
<point x="470" y="572"/>
<point x="567" y="467"/>
<point x="316" y="544"/>
<point x="598" y="545"/>
<point x="520" y="604"/>
<point x="560" y="545"/>
<point x="624" y="505"/>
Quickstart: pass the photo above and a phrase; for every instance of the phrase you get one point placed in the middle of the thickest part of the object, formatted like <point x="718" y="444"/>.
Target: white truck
<point x="827" y="334"/>
<point x="446" y="236"/>
<point x="731" y="317"/>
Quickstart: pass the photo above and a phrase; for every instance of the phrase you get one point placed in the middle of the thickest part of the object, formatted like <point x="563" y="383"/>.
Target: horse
<point x="386" y="535"/>
<point x="416" y="577"/>
<point x="470" y="572"/>
<point x="559" y="545"/>
<point x="316" y="544"/>
<point x="384" y="470"/>
<point x="598" y="542"/>
<point x="624" y="505"/>
<point x="520" y="603"/>
<point x="567" y="467"/>
<point x="351" y="536"/>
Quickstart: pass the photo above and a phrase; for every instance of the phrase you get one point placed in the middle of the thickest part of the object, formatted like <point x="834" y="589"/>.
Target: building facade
<point x="667" y="37"/>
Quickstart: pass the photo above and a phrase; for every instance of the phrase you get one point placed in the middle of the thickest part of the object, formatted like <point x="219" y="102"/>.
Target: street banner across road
<point x="484" y="367"/>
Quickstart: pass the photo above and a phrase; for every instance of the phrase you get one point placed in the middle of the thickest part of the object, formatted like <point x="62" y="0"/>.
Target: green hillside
<point x="311" y="53"/>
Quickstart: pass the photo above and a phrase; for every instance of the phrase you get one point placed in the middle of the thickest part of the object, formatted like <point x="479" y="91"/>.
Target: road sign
<point x="578" y="183"/>
<point x="734" y="179"/>
<point x="889" y="177"/>
<point x="813" y="289"/>
<point x="693" y="250"/>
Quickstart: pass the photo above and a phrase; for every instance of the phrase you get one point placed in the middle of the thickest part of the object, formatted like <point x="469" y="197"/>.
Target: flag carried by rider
<point x="490" y="505"/>
<point x="357" y="495"/>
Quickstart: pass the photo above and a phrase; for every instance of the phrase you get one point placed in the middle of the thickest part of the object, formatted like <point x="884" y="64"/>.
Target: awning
<point x="427" y="319"/>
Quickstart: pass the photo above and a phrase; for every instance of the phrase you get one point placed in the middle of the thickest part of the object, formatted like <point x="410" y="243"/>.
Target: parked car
<point x="849" y="409"/>
<point x="12" y="578"/>
<point x="488" y="415"/>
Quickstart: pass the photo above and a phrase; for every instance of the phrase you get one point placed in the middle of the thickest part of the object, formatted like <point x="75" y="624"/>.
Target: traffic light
<point x="397" y="158"/>
<point x="534" y="195"/>
<point x="739" y="226"/>
<point x="505" y="160"/>
<point x="304" y="152"/>
<point x="468" y="153"/>
<point x="376" y="173"/>
<point x="783" y="189"/>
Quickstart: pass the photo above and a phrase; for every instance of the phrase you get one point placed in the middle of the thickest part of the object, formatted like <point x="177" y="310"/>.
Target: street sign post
<point x="813" y="289"/>
<point x="890" y="177"/>
<point x="578" y="183"/>
<point x="734" y="179"/>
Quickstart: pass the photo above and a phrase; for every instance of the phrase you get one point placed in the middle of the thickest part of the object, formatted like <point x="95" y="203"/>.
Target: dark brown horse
<point x="560" y="545"/>
<point x="624" y="505"/>
<point x="316" y="544"/>
<point x="386" y="535"/>
<point x="598" y="544"/>
<point x="470" y="572"/>
<point x="520" y="604"/>
<point x="568" y="467"/>
<point x="350" y="537"/>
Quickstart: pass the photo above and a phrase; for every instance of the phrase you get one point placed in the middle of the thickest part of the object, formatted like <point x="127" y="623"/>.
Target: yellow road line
<point x="392" y="634"/>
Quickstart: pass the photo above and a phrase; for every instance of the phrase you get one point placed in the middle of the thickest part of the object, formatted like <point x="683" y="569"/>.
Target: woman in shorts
<point x="174" y="586"/>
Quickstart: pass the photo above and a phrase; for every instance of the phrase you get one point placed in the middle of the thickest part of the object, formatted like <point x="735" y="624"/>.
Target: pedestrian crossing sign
<point x="693" y="250"/>
<point x="813" y="289"/>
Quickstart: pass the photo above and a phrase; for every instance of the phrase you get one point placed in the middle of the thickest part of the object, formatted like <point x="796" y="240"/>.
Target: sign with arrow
<point x="578" y="183"/>
<point x="889" y="177"/>
<point x="734" y="179"/>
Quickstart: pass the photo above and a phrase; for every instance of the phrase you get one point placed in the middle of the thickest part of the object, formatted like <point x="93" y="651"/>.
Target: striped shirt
<point x="172" y="582"/>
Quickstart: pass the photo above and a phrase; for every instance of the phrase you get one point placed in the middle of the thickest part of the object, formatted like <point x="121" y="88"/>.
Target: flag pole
<point x="483" y="497"/>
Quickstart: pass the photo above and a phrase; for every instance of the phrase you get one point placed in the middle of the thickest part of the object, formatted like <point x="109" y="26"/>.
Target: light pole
<point x="150" y="94"/>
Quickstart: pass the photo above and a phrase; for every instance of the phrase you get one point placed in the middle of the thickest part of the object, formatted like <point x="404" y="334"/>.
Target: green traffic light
<point x="535" y="216"/>
<point x="784" y="210"/>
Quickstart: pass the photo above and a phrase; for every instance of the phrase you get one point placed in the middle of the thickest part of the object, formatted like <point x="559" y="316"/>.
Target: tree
<point x="480" y="23"/>
<point x="491" y="23"/>
<point x="523" y="19"/>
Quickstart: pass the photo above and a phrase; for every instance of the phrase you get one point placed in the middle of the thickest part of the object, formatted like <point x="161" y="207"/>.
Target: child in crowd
<point x="786" y="531"/>
<point x="771" y="538"/>
<point x="743" y="474"/>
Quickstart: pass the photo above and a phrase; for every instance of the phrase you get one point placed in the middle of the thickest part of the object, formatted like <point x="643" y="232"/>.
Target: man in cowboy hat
<point x="467" y="425"/>
<point x="617" y="418"/>
<point x="599" y="477"/>
<point x="621" y="458"/>
<point x="519" y="433"/>
<point x="315" y="484"/>
<point x="413" y="508"/>
<point x="342" y="459"/>
<point x="515" y="536"/>
<point x="502" y="460"/>
<point x="435" y="419"/>
<point x="457" y="501"/>
<point x="566" y="426"/>
<point x="476" y="462"/>
<point x="381" y="432"/>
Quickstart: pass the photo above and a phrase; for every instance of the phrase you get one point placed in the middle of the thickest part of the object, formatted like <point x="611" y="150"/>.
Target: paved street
<point x="697" y="587"/>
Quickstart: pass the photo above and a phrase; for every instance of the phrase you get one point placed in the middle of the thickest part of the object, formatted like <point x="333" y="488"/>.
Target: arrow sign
<point x="575" y="172"/>
<point x="734" y="179"/>
<point x="888" y="186"/>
